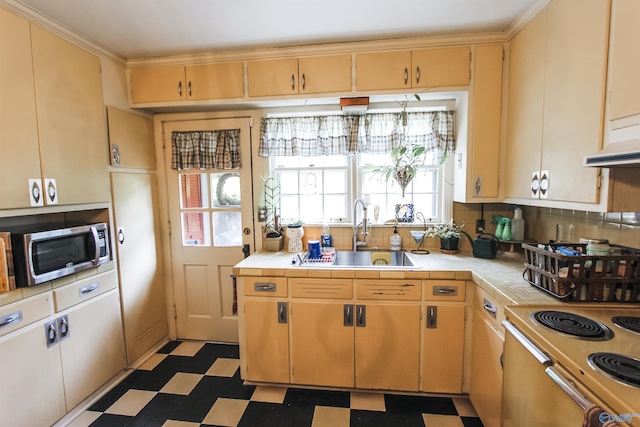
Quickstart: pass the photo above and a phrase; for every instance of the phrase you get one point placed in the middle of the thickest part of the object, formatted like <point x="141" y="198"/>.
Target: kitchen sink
<point x="373" y="258"/>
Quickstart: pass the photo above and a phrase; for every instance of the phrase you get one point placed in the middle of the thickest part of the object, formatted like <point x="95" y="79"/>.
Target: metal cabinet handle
<point x="115" y="154"/>
<point x="63" y="327"/>
<point x="568" y="387"/>
<point x="180" y="88"/>
<point x="406" y="75"/>
<point x="303" y="82"/>
<point x="417" y="74"/>
<point x="531" y="348"/>
<point x="264" y="287"/>
<point x="492" y="309"/>
<point x="16" y="316"/>
<point x="282" y="312"/>
<point x="293" y="82"/>
<point x="86" y="290"/>
<point x="361" y="316"/>
<point x="348" y="315"/>
<point x="189" y="89"/>
<point x="432" y="317"/>
<point x="51" y="333"/>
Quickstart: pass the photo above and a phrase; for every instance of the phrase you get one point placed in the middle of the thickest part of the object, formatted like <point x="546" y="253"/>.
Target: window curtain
<point x="376" y="133"/>
<point x="205" y="149"/>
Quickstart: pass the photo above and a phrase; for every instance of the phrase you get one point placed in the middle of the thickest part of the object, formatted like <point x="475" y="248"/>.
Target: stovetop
<point x="574" y="353"/>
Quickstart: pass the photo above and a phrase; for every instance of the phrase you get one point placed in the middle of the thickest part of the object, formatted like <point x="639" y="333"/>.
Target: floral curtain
<point x="376" y="133"/>
<point x="205" y="149"/>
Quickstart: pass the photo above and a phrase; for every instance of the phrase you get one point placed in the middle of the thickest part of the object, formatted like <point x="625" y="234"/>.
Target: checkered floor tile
<point x="189" y="384"/>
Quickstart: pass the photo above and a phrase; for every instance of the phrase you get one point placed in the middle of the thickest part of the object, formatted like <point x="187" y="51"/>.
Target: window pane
<point x="227" y="228"/>
<point x="225" y="189"/>
<point x="310" y="208"/>
<point x="335" y="206"/>
<point x="427" y="204"/>
<point x="288" y="182"/>
<point x="335" y="181"/>
<point x="311" y="182"/>
<point x="195" y="229"/>
<point x="193" y="190"/>
<point x="289" y="207"/>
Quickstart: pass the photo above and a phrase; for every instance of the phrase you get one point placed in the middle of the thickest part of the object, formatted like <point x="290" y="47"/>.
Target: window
<point x="324" y="163"/>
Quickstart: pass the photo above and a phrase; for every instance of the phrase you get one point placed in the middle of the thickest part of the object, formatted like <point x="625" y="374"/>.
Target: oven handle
<point x="531" y="348"/>
<point x="568" y="387"/>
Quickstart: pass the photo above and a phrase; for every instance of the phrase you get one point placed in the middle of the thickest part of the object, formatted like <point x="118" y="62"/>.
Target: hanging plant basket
<point x="403" y="177"/>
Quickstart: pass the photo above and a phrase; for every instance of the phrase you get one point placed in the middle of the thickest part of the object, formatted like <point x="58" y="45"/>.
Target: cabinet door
<point x="325" y="74"/>
<point x="574" y="90"/>
<point x="443" y="348"/>
<point x="380" y="71"/>
<point x="625" y="60"/>
<point x="267" y="340"/>
<point x="71" y="119"/>
<point x="33" y="393"/>
<point x="18" y="124"/>
<point x="486" y="122"/>
<point x="387" y="346"/>
<point x="215" y="81"/>
<point x="525" y="106"/>
<point x="94" y="351"/>
<point x="322" y="343"/>
<point x="273" y="77"/>
<point x="133" y="136"/>
<point x="158" y="84"/>
<point x="486" y="371"/>
<point x="135" y="204"/>
<point x="441" y="67"/>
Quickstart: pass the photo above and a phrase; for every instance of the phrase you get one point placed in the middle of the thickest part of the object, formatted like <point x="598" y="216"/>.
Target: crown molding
<point x="58" y="29"/>
<point x="524" y="19"/>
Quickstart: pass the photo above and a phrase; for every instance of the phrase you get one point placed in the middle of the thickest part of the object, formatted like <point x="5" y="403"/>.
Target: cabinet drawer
<point x="407" y="290"/>
<point x="265" y="286"/>
<point x="322" y="288"/>
<point x="444" y="290"/>
<point x="84" y="290"/>
<point x="21" y="313"/>
<point x="490" y="308"/>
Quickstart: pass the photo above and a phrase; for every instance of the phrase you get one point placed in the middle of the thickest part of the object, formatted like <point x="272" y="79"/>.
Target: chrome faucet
<point x="356" y="242"/>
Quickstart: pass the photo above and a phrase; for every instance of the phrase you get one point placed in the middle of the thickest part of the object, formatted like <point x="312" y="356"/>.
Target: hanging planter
<point x="404" y="161"/>
<point x="403" y="177"/>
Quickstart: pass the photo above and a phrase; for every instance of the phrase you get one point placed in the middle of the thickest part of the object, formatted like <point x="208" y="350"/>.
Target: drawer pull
<point x="11" y="318"/>
<point x="264" y="287"/>
<point x="445" y="290"/>
<point x="86" y="290"/>
<point x="492" y="309"/>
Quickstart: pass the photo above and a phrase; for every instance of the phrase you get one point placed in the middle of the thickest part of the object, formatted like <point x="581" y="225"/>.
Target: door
<point x="210" y="218"/>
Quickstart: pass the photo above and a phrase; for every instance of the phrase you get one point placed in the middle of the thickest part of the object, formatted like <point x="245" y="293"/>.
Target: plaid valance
<point x="376" y="133"/>
<point x="205" y="149"/>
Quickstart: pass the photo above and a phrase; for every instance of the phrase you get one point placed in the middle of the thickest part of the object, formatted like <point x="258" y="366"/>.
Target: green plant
<point x="296" y="223"/>
<point x="445" y="230"/>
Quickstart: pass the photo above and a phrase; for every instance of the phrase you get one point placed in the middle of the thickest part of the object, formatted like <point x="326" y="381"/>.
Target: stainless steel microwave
<point x="47" y="255"/>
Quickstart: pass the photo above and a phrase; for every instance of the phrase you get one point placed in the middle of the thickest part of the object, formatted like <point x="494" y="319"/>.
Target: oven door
<point x="537" y="392"/>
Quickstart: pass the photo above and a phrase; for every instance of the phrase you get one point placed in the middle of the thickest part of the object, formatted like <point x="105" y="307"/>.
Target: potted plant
<point x="272" y="239"/>
<point x="404" y="162"/>
<point x="449" y="234"/>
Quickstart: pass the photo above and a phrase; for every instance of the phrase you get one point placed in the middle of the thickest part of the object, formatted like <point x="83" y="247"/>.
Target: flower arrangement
<point x="445" y="230"/>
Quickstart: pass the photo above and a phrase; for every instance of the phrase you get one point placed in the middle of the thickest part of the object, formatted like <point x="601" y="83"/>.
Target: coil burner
<point x="629" y="323"/>
<point x="572" y="325"/>
<point x="618" y="367"/>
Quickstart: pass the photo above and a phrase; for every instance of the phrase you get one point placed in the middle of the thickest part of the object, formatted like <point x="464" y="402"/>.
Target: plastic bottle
<point x="395" y="242"/>
<point x="326" y="239"/>
<point x="506" y="230"/>
<point x="517" y="225"/>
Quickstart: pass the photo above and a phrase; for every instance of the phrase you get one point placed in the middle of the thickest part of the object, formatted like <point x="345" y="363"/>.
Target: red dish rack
<point x="584" y="278"/>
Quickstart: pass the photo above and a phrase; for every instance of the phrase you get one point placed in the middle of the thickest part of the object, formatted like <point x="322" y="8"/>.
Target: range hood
<point x="616" y="154"/>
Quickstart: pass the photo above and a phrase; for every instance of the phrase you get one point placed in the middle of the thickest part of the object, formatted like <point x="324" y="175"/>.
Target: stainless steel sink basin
<point x="373" y="258"/>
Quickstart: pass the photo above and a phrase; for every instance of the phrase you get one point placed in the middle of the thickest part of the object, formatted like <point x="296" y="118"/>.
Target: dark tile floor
<point x="188" y="384"/>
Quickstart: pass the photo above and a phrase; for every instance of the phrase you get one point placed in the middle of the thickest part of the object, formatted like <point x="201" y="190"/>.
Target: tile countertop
<point x="500" y="277"/>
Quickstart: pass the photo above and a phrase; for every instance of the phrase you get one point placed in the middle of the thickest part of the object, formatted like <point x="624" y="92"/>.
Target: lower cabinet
<point x="264" y="329"/>
<point x="485" y="391"/>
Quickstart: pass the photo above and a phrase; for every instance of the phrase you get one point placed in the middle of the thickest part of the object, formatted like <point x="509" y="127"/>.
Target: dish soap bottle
<point x="517" y="225"/>
<point x="326" y="239"/>
<point x="395" y="240"/>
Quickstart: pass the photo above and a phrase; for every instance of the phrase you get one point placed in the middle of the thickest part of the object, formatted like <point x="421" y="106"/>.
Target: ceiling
<point x="153" y="28"/>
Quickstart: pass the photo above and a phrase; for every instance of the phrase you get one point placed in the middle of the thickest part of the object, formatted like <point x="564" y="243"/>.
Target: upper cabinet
<point x="292" y="76"/>
<point x="130" y="140"/>
<point x="557" y="79"/>
<point x="477" y="176"/>
<point x="437" y="67"/>
<point x="18" y="119"/>
<point x="625" y="60"/>
<point x="71" y="121"/>
<point x="52" y="128"/>
<point x="194" y="82"/>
